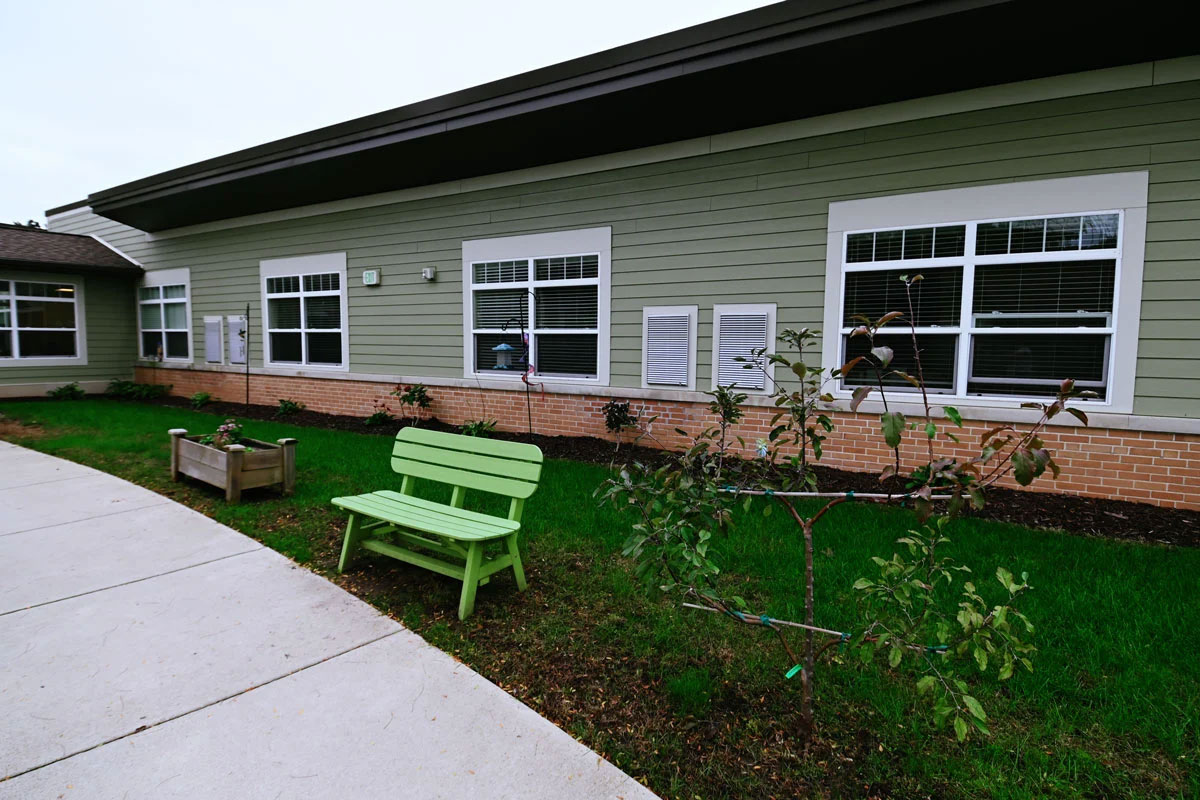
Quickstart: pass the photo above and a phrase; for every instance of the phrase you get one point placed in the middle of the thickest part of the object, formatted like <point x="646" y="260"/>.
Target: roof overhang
<point x="58" y="268"/>
<point x="783" y="62"/>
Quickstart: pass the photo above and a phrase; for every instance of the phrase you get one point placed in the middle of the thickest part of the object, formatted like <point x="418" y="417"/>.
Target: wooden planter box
<point x="232" y="468"/>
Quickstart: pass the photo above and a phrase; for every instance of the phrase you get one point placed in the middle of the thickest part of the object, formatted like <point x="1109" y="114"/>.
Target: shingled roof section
<point x="58" y="252"/>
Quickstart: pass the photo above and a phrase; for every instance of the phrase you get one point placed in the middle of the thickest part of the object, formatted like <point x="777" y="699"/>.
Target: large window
<point x="1004" y="307"/>
<point x="1024" y="284"/>
<point x="557" y="300"/>
<point x="163" y="319"/>
<point x="305" y="311"/>
<point x="39" y="320"/>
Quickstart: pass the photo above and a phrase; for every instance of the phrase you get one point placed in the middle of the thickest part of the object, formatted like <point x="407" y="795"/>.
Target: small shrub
<point x="68" y="391"/>
<point x="617" y="416"/>
<point x="289" y="407"/>
<point x="381" y="415"/>
<point x="482" y="428"/>
<point x="200" y="399"/>
<point x="128" y="390"/>
<point x="414" y="399"/>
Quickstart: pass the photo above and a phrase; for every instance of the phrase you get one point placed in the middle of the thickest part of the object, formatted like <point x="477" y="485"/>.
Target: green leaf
<point x="926" y="683"/>
<point x="884" y="354"/>
<point x="960" y="728"/>
<point x="930" y="429"/>
<point x="863" y="583"/>
<point x="1005" y="577"/>
<point x="981" y="658"/>
<point x="973" y="706"/>
<point x="953" y="414"/>
<point x="1023" y="468"/>
<point x="1077" y="414"/>
<point x="859" y="395"/>
<point x="893" y="427"/>
<point x="895" y="655"/>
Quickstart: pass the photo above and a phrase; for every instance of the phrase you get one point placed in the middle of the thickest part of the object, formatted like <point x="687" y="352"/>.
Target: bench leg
<point x="466" y="603"/>
<point x="353" y="534"/>
<point x="518" y="569"/>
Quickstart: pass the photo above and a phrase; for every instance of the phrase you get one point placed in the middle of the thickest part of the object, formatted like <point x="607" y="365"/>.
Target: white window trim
<point x="220" y="321"/>
<point x="771" y="310"/>
<point x="305" y="265"/>
<point x="1124" y="192"/>
<point x="81" y="357"/>
<point x="167" y="277"/>
<point x="589" y="241"/>
<point x="692" y="313"/>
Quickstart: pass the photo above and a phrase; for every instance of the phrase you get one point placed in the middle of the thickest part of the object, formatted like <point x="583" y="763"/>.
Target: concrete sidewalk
<point x="149" y="652"/>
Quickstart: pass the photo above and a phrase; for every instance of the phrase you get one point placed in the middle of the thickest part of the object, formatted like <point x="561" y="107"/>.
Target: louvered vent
<point x="740" y="335"/>
<point x="213" y="346"/>
<point x="667" y="356"/>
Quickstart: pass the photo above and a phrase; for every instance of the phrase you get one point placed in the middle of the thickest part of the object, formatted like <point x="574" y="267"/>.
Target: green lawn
<point x="698" y="707"/>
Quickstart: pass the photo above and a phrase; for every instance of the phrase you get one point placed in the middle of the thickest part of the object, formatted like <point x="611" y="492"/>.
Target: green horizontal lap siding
<point x="737" y="226"/>
<point x="111" y="336"/>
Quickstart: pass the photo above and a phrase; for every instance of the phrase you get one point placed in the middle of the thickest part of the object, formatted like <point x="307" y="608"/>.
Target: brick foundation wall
<point x="1140" y="466"/>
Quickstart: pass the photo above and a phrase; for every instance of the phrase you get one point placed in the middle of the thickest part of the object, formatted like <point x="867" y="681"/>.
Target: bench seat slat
<point x="399" y="511"/>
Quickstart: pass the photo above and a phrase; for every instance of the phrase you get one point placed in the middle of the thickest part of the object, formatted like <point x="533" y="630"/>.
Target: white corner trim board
<point x="1122" y="194"/>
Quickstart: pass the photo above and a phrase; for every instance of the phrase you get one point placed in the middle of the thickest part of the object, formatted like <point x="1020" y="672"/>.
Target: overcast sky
<point x="100" y="92"/>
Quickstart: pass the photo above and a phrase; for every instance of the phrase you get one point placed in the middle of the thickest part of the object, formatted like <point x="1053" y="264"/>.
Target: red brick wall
<point x="1159" y="468"/>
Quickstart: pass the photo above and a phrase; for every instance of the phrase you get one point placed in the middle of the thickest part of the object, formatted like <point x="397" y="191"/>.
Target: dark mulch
<point x="1090" y="516"/>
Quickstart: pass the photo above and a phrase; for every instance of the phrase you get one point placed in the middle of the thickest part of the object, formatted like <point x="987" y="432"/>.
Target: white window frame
<point x="692" y="313"/>
<point x="80" y="330"/>
<point x="180" y="276"/>
<point x="300" y="266"/>
<point x="1122" y="193"/>
<point x="722" y="309"/>
<point x="586" y="241"/>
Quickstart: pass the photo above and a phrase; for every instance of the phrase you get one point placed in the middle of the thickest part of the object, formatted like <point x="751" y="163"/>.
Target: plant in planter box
<point x="230" y="432"/>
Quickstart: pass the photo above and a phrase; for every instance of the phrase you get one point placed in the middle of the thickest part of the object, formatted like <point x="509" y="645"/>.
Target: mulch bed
<point x="1090" y="516"/>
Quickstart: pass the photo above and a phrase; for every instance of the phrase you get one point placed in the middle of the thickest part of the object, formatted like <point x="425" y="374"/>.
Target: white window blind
<point x="738" y="331"/>
<point x="214" y="346"/>
<point x="668" y="340"/>
<point x="1007" y="308"/>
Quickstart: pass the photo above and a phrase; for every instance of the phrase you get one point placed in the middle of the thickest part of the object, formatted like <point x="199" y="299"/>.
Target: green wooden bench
<point x="456" y="536"/>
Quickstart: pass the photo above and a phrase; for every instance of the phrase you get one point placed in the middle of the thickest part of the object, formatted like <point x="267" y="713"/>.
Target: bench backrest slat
<point x="510" y="469"/>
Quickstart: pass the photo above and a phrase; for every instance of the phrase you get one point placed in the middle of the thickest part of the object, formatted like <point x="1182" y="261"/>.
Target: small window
<point x="668" y="347"/>
<point x="545" y="312"/>
<point x="305" y="311"/>
<point x="163" y="324"/>
<point x="739" y="331"/>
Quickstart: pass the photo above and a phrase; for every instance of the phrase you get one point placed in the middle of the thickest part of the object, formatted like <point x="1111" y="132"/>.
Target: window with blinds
<point x="1007" y="308"/>
<point x="542" y="311"/>
<point x="739" y="331"/>
<point x="304" y="319"/>
<point x="668" y="344"/>
<point x="163" y="322"/>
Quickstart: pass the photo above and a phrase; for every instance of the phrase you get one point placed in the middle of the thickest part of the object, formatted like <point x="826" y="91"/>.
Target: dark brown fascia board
<point x="131" y="271"/>
<point x="50" y="212"/>
<point x="746" y="36"/>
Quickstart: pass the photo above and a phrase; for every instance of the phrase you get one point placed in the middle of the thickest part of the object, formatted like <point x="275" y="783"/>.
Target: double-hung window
<point x="305" y="320"/>
<point x="39" y="320"/>
<point x="535" y="302"/>
<point x="1006" y="308"/>
<point x="164" y="318"/>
